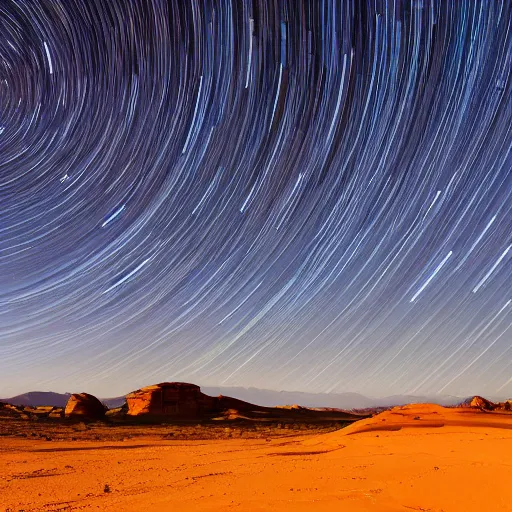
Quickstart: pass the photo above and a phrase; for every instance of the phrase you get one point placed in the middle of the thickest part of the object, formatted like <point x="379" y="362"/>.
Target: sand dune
<point x="447" y="460"/>
<point x="422" y="416"/>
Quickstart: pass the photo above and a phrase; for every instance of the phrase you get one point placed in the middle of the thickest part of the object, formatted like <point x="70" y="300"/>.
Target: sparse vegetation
<point x="15" y="423"/>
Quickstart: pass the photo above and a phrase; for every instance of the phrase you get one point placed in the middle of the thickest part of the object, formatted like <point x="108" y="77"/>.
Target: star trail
<point x="286" y="194"/>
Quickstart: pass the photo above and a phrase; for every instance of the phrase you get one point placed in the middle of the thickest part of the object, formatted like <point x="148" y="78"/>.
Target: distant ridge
<point x="346" y="401"/>
<point x="42" y="398"/>
<point x="269" y="398"/>
<point x="264" y="397"/>
<point x="38" y="399"/>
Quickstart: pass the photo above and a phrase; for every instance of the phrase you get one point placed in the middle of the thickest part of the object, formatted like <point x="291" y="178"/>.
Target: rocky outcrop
<point x="30" y="413"/>
<point x="181" y="401"/>
<point x="478" y="402"/>
<point x="178" y="400"/>
<point x="117" y="412"/>
<point x="482" y="403"/>
<point x="504" y="406"/>
<point x="84" y="406"/>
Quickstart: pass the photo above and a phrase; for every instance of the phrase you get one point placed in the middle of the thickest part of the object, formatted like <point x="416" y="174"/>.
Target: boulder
<point x="84" y="406"/>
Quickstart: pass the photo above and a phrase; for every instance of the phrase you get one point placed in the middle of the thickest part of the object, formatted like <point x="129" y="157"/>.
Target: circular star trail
<point x="303" y="195"/>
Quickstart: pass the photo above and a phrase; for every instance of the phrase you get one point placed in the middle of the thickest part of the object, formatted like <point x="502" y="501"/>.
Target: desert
<point x="255" y="255"/>
<point x="421" y="457"/>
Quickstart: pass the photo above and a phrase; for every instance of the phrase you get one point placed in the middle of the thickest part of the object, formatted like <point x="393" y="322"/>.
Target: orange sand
<point x="465" y="465"/>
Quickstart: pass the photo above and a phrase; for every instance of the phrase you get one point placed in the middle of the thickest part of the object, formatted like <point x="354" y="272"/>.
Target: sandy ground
<point x="423" y="459"/>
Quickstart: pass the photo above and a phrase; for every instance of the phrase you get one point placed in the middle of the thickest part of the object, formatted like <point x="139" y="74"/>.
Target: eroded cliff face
<point x="84" y="405"/>
<point x="139" y="402"/>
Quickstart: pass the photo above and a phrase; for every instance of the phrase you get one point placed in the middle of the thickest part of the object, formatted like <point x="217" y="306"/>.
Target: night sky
<point x="306" y="195"/>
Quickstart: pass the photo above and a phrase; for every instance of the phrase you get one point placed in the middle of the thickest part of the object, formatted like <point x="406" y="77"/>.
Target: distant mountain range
<point x="39" y="398"/>
<point x="42" y="398"/>
<point x="262" y="397"/>
<point x="348" y="401"/>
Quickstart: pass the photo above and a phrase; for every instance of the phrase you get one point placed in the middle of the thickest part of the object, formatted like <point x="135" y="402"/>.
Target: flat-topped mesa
<point x="182" y="401"/>
<point x="84" y="405"/>
<point x="178" y="400"/>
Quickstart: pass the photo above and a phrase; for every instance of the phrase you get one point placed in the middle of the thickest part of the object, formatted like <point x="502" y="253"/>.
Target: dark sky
<point x="303" y="195"/>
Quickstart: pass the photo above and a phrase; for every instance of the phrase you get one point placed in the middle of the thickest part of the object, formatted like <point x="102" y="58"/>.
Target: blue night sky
<point x="307" y="195"/>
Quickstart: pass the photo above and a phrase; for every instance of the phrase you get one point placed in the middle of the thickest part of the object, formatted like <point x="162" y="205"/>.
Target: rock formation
<point x="483" y="404"/>
<point x="171" y="399"/>
<point x="182" y="401"/>
<point x="84" y="406"/>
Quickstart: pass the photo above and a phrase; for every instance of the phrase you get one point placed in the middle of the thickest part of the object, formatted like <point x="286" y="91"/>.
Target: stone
<point x="85" y="406"/>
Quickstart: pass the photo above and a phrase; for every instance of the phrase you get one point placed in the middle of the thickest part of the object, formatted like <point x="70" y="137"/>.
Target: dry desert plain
<point x="411" y="458"/>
